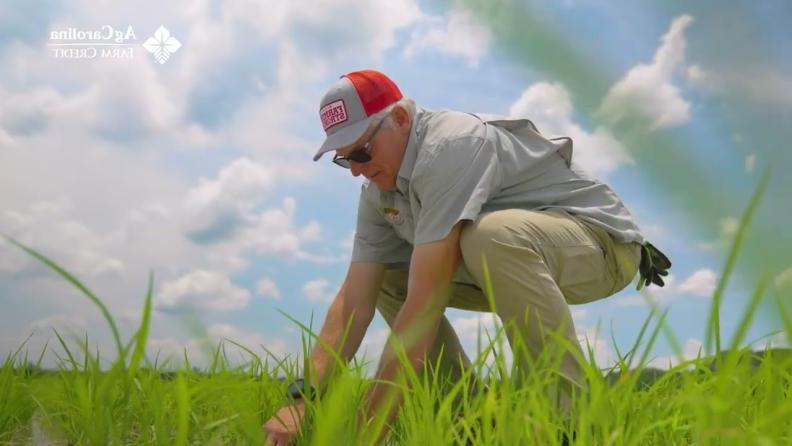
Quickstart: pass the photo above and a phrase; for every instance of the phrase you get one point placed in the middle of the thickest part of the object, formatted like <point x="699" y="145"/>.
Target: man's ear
<point x="401" y="118"/>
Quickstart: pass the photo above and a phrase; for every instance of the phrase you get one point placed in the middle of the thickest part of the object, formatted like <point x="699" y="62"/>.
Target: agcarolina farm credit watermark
<point x="108" y="42"/>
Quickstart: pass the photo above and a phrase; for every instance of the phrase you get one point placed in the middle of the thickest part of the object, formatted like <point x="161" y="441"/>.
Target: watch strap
<point x="298" y="389"/>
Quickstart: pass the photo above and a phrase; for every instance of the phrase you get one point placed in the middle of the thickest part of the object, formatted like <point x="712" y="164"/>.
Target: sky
<point x="195" y="163"/>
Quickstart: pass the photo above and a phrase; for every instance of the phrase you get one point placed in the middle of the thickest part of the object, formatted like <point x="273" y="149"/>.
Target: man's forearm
<point x="341" y="334"/>
<point x="432" y="268"/>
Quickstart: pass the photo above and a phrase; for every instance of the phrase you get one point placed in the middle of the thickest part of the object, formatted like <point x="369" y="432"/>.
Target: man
<point x="451" y="198"/>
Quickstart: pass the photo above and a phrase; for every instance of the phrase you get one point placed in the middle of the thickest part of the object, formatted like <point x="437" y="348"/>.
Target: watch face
<point x="296" y="389"/>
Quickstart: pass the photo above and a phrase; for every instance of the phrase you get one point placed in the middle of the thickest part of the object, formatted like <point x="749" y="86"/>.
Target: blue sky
<point x="200" y="170"/>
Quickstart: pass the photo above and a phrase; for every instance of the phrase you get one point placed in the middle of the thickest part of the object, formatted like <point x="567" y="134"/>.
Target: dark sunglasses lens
<point x="359" y="156"/>
<point x="343" y="162"/>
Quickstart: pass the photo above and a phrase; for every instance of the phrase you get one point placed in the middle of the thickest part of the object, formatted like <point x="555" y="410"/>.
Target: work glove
<point x="653" y="265"/>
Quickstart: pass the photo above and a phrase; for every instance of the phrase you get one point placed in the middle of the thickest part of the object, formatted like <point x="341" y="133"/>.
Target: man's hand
<point x="345" y="324"/>
<point x="653" y="265"/>
<point x="283" y="427"/>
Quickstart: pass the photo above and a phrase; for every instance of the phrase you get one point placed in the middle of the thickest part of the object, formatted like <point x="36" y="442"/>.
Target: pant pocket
<point x="583" y="274"/>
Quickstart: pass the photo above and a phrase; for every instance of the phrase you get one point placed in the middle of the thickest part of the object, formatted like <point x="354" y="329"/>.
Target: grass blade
<point x="183" y="409"/>
<point x="713" y="322"/>
<point x="142" y="333"/>
<point x="748" y="316"/>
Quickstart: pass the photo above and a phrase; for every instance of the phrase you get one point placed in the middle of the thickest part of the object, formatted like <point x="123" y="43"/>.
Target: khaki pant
<point x="539" y="262"/>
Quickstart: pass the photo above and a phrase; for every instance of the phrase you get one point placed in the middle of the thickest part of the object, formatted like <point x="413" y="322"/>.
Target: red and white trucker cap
<point x="346" y="108"/>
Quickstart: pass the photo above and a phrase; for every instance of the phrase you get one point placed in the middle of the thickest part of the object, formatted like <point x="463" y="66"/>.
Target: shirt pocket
<point x="399" y="216"/>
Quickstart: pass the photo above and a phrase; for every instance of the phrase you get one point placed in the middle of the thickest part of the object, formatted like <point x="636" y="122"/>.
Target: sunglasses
<point x="360" y="155"/>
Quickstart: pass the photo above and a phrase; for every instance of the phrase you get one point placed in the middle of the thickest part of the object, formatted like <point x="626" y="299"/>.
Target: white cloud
<point x="317" y="291"/>
<point x="6" y="140"/>
<point x="698" y="77"/>
<point x="728" y="226"/>
<point x="549" y="106"/>
<point x="225" y="212"/>
<point x="766" y="86"/>
<point x="250" y="339"/>
<point x="266" y="287"/>
<point x="210" y="290"/>
<point x="483" y="328"/>
<point x="591" y="338"/>
<point x="372" y="346"/>
<point x="224" y="203"/>
<point x="40" y="339"/>
<point x="647" y="90"/>
<point x="758" y="85"/>
<point x="578" y="314"/>
<point x="228" y="260"/>
<point x="456" y="34"/>
<point x="658" y="295"/>
<point x="68" y="130"/>
<point x="778" y="340"/>
<point x="12" y="260"/>
<point x="466" y="328"/>
<point x="377" y="20"/>
<point x="469" y="329"/>
<point x="63" y="323"/>
<point x="629" y="301"/>
<point x="70" y="243"/>
<point x="273" y="232"/>
<point x="652" y="231"/>
<point x="701" y="283"/>
<point x="172" y="348"/>
<point x="750" y="163"/>
<point x="348" y="243"/>
<point x="692" y="350"/>
<point x="93" y="170"/>
<point x="149" y="109"/>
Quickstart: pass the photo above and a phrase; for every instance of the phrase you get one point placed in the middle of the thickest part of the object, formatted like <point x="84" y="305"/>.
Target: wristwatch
<point x="298" y="390"/>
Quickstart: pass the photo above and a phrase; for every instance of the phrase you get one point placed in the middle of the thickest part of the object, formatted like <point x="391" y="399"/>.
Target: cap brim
<point x="343" y="137"/>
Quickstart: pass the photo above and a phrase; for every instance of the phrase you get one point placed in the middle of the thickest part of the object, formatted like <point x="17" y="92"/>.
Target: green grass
<point x="732" y="397"/>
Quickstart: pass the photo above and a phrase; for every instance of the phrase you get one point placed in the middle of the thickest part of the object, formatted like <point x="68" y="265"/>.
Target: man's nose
<point x="356" y="168"/>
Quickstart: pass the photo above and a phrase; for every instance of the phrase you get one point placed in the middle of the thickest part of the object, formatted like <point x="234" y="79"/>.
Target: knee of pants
<point x="478" y="240"/>
<point x="628" y="257"/>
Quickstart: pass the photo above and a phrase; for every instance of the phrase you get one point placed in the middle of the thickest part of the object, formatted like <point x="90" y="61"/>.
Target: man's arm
<point x="353" y="306"/>
<point x="431" y="269"/>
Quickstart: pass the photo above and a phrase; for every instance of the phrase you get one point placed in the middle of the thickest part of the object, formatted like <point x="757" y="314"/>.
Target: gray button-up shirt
<point x="458" y="165"/>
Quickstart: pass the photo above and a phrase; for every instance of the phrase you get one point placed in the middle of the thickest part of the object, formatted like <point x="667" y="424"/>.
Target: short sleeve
<point x="375" y="239"/>
<point x="463" y="175"/>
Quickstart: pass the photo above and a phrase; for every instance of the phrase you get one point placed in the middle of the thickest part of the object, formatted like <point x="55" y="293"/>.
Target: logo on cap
<point x="333" y="113"/>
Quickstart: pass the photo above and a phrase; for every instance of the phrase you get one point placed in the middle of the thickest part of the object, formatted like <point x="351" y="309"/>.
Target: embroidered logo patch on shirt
<point x="393" y="216"/>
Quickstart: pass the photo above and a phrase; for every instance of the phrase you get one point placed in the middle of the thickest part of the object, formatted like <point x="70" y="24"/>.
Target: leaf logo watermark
<point x="162" y="45"/>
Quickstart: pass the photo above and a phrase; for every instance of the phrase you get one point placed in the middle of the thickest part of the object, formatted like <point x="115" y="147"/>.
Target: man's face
<point x="386" y="150"/>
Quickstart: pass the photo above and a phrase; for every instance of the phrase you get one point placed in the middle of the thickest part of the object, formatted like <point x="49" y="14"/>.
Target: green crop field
<point x="734" y="397"/>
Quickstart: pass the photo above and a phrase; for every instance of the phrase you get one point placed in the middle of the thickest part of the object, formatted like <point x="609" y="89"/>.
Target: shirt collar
<point x="410" y="154"/>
